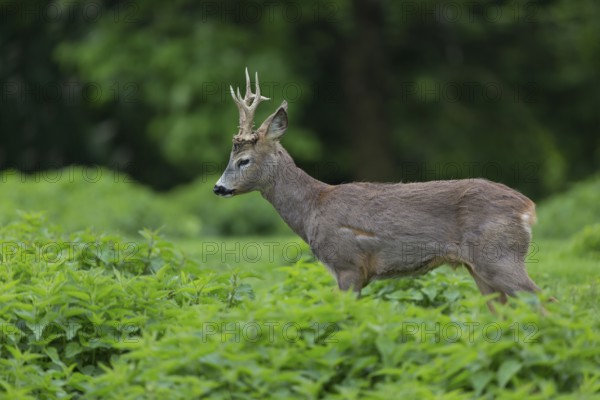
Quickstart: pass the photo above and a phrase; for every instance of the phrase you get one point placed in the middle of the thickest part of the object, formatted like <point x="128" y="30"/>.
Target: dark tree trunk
<point x="364" y="73"/>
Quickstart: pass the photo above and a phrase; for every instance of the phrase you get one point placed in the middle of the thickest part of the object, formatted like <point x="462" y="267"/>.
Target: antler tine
<point x="260" y="98"/>
<point x="236" y="97"/>
<point x="248" y="94"/>
<point x="256" y="97"/>
<point x="257" y="86"/>
<point x="239" y="105"/>
<point x="232" y="93"/>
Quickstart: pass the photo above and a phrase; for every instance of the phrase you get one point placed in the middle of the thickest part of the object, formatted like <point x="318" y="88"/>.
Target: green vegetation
<point x="120" y="205"/>
<point x="587" y="242"/>
<point x="567" y="213"/>
<point x="92" y="314"/>
<point x="95" y="316"/>
<point x="114" y="201"/>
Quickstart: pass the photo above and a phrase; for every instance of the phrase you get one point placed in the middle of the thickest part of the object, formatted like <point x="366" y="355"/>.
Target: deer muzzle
<point x="220" y="190"/>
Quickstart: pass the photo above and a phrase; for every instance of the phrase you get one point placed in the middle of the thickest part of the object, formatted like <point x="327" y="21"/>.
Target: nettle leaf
<point x="163" y="271"/>
<point x="386" y="347"/>
<point x="414" y="295"/>
<point x="507" y="370"/>
<point x="72" y="349"/>
<point x="72" y="329"/>
<point x="431" y="292"/>
<point x="155" y="265"/>
<point x="81" y="295"/>
<point x="91" y="370"/>
<point x="37" y="329"/>
<point x="26" y="312"/>
<point x="480" y="380"/>
<point x="244" y="290"/>
<point x="53" y="354"/>
<point x="147" y="234"/>
<point x="453" y="294"/>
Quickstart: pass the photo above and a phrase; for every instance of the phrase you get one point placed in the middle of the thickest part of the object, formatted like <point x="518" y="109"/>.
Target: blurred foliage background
<point x="387" y="91"/>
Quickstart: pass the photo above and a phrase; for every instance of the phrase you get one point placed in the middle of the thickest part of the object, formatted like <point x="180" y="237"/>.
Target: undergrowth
<point x="93" y="315"/>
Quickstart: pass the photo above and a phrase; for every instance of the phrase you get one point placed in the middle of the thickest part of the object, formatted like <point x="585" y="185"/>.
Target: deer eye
<point x="243" y="162"/>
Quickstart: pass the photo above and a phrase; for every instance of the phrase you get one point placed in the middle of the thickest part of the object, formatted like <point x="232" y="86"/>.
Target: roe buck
<point x="366" y="231"/>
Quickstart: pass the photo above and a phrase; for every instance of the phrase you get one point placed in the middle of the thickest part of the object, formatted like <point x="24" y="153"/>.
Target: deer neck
<point x="293" y="193"/>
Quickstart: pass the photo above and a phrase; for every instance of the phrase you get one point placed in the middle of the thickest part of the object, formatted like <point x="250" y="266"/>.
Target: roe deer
<point x="366" y="231"/>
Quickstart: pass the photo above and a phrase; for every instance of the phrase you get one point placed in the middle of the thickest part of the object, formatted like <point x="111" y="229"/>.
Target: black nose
<point x="222" y="190"/>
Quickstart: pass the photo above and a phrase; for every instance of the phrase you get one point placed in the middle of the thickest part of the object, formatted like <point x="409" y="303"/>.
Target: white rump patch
<point x="526" y="218"/>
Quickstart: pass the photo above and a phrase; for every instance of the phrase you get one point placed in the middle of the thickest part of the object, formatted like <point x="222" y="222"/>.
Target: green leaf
<point x="431" y="292"/>
<point x="53" y="354"/>
<point x="480" y="379"/>
<point x="72" y="349"/>
<point x="507" y="370"/>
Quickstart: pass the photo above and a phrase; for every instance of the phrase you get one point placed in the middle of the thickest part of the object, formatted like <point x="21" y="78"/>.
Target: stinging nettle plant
<point x="365" y="231"/>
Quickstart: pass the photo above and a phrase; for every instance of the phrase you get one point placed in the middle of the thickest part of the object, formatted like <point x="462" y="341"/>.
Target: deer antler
<point x="247" y="107"/>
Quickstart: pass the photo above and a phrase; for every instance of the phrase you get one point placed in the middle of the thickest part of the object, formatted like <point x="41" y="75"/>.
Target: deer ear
<point x="274" y="127"/>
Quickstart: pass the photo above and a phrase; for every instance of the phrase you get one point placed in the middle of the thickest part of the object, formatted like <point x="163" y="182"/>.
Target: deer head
<point x="255" y="153"/>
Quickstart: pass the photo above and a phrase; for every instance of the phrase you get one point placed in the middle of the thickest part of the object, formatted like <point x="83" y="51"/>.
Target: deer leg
<point x="509" y="277"/>
<point x="349" y="279"/>
<point x="486" y="289"/>
<point x="512" y="277"/>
